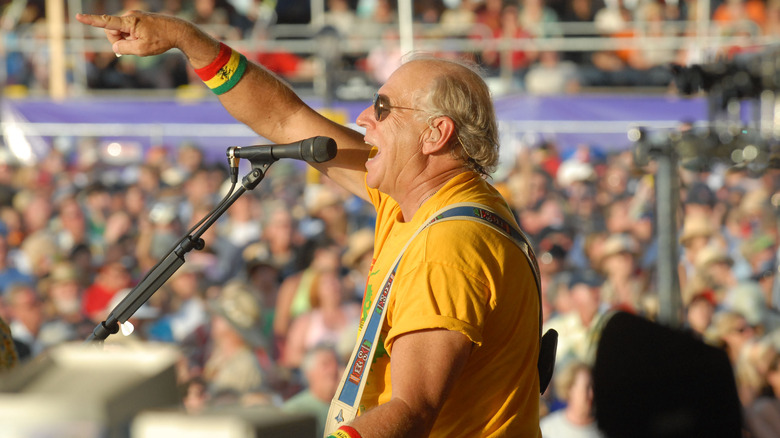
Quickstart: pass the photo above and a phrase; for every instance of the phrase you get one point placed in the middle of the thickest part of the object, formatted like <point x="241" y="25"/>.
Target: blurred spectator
<point x="492" y="57"/>
<point x="763" y="417"/>
<point x="699" y="200"/>
<point x="488" y="14"/>
<point x="26" y="319"/>
<point x="37" y="209"/>
<point x="538" y="19"/>
<point x="233" y="369"/>
<point x="71" y="229"/>
<point x="321" y="370"/>
<point x="219" y="259"/>
<point x="624" y="286"/>
<point x="574" y="386"/>
<point x="458" y="21"/>
<point x="713" y="266"/>
<point x="330" y="317"/>
<point x="551" y="75"/>
<point x="240" y="224"/>
<point x="340" y="16"/>
<point x="9" y="274"/>
<point x="732" y="15"/>
<point x="264" y="279"/>
<point x="700" y="306"/>
<point x="428" y="11"/>
<point x="196" y="396"/>
<point x="695" y="236"/>
<point x="358" y="258"/>
<point x="280" y="231"/>
<point x="185" y="311"/>
<point x="730" y="331"/>
<point x="110" y="279"/>
<point x="326" y="206"/>
<point x="751" y="370"/>
<point x="646" y="63"/>
<point x="748" y="299"/>
<point x="298" y="293"/>
<point x="385" y="58"/>
<point x="578" y="328"/>
<point x="62" y="292"/>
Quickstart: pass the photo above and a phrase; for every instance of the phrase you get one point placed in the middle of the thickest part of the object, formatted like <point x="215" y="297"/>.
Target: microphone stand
<point x="158" y="275"/>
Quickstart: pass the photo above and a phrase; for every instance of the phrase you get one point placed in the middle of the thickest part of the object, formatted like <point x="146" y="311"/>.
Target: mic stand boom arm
<point x="172" y="262"/>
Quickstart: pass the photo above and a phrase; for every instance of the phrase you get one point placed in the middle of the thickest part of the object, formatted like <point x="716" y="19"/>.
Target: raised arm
<point x="260" y="99"/>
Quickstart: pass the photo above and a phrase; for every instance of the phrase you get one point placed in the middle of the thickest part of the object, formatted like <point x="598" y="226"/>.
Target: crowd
<point x="638" y="38"/>
<point x="267" y="312"/>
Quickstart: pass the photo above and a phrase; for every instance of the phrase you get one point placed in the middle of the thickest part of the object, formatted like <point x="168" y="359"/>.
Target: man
<point x="321" y="370"/>
<point x="460" y="342"/>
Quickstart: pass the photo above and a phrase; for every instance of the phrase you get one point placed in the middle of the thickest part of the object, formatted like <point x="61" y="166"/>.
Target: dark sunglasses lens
<point x="381" y="108"/>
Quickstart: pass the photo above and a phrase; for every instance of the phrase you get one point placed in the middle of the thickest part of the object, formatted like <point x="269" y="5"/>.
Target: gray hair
<point x="461" y="94"/>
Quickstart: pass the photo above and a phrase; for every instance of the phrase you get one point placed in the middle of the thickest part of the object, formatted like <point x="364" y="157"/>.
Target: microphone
<point x="311" y="150"/>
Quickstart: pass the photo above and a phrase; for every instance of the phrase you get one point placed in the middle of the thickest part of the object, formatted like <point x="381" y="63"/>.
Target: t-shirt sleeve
<point x="436" y="295"/>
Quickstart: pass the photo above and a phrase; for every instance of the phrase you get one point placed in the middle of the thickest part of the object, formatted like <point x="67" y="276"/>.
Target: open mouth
<point x="374" y="151"/>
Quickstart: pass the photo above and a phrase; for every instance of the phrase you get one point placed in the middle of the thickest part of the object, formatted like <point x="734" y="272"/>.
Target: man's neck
<point x="419" y="193"/>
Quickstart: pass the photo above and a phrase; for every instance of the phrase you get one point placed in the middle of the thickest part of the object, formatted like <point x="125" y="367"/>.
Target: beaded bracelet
<point x="225" y="71"/>
<point x="345" y="432"/>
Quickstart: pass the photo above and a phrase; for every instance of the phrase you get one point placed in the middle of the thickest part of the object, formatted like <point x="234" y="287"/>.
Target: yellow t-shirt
<point x="467" y="277"/>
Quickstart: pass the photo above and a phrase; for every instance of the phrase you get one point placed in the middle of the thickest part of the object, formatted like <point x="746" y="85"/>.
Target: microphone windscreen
<point x="319" y="149"/>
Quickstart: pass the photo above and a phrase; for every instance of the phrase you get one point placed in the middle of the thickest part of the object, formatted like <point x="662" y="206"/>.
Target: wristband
<point x="225" y="71"/>
<point x="345" y="432"/>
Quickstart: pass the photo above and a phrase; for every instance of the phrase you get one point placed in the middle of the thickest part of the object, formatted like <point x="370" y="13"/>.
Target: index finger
<point x="109" y="22"/>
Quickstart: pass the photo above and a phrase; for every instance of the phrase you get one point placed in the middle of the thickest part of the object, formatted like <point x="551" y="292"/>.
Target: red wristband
<point x="346" y="432"/>
<point x="209" y="71"/>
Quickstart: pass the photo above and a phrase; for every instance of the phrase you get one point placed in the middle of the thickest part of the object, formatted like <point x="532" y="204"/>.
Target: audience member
<point x="328" y="320"/>
<point x="321" y="370"/>
<point x="574" y="386"/>
<point x="233" y="368"/>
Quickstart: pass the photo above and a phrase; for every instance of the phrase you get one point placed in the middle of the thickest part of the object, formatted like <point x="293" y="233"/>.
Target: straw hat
<point x="695" y="226"/>
<point x="617" y="244"/>
<point x="258" y="254"/>
<point x="712" y="254"/>
<point x="320" y="197"/>
<point x="242" y="311"/>
<point x="360" y="242"/>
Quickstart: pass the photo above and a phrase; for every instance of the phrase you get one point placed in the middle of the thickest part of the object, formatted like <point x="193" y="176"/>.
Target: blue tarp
<point x="599" y="120"/>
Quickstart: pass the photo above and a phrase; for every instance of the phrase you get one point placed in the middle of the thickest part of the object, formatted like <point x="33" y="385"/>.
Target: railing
<point x="79" y="40"/>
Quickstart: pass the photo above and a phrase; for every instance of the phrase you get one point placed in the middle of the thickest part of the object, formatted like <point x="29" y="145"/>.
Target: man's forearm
<point x="394" y="419"/>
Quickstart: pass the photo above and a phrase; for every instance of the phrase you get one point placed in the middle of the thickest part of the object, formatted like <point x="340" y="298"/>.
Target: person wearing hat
<point x="624" y="286"/>
<point x="357" y="259"/>
<point x="699" y="200"/>
<point x="233" y="369"/>
<point x="578" y="328"/>
<point x="326" y="207"/>
<point x="263" y="275"/>
<point x="696" y="234"/>
<point x="713" y="266"/>
<point x="62" y="292"/>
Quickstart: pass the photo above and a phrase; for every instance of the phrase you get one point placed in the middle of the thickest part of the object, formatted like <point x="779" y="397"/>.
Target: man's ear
<point x="439" y="135"/>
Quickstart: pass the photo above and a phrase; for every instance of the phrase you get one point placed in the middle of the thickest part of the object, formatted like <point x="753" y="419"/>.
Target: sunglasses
<point x="382" y="107"/>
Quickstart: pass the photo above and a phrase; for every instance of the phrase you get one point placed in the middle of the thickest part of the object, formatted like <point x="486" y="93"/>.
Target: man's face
<point x="396" y="137"/>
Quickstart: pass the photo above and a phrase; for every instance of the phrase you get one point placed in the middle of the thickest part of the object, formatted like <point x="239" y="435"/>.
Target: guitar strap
<point x="345" y="404"/>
